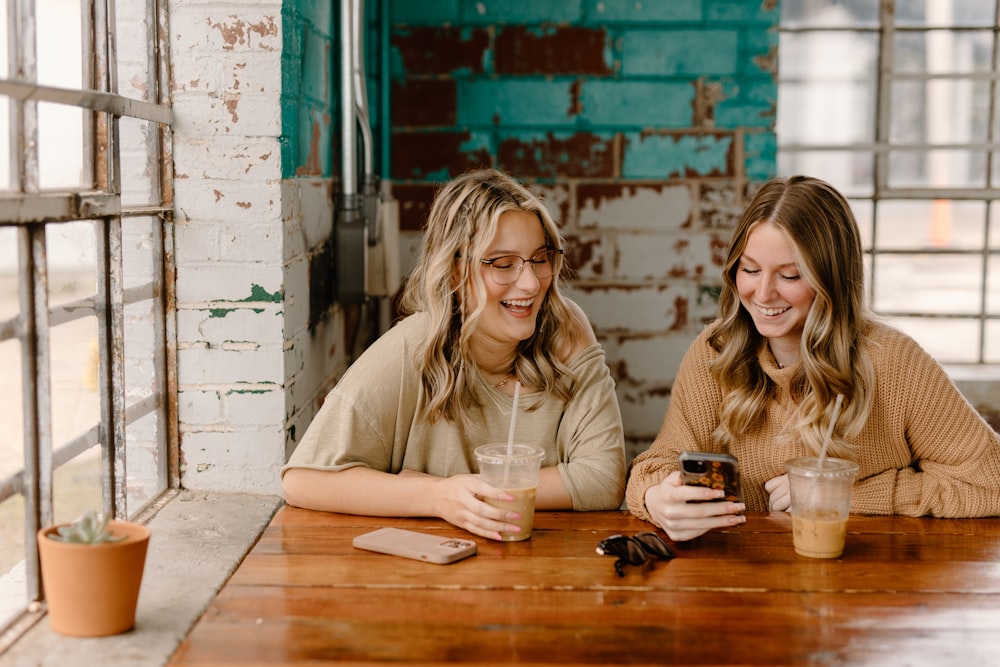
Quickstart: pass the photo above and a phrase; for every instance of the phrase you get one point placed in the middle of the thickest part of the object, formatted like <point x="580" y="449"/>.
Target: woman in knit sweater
<point x="396" y="436"/>
<point x="760" y="383"/>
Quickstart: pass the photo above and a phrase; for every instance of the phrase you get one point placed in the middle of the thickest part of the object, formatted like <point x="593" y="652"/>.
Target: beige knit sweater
<point x="924" y="451"/>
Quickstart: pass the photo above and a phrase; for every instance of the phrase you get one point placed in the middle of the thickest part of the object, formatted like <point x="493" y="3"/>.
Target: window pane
<point x="5" y="173"/>
<point x="945" y="284"/>
<point x="995" y="226"/>
<point x="13" y="593"/>
<point x="136" y="139"/>
<point x="992" y="343"/>
<point x="848" y="171"/>
<point x="940" y="168"/>
<point x="829" y="13"/>
<point x="949" y="111"/>
<point x="947" y="340"/>
<point x="993" y="285"/>
<point x="60" y="147"/>
<point x="59" y="43"/>
<point x="939" y="13"/>
<point x="914" y="225"/>
<point x="145" y="473"/>
<point x="942" y="51"/>
<point x="822" y="99"/>
<point x="863" y="215"/>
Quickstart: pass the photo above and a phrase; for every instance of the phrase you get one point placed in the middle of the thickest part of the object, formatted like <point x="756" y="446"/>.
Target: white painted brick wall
<point x="230" y="237"/>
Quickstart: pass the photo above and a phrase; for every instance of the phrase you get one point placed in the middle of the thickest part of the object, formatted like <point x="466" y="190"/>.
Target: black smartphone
<point x="716" y="471"/>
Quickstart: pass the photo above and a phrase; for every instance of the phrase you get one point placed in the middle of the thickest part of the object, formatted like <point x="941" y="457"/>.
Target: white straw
<point x="513" y="418"/>
<point x="510" y="437"/>
<point x="829" y="429"/>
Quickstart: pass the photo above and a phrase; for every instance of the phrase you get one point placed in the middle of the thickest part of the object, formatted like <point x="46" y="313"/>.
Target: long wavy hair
<point x="818" y="222"/>
<point x="448" y="280"/>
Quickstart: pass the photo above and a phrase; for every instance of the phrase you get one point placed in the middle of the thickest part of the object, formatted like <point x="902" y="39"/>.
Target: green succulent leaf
<point x="91" y="528"/>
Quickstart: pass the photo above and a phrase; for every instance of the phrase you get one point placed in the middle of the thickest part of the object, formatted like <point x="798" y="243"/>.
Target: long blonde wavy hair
<point x="448" y="278"/>
<point x="818" y="222"/>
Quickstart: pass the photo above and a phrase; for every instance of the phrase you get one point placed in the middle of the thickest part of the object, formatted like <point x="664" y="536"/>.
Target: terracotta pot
<point x="92" y="589"/>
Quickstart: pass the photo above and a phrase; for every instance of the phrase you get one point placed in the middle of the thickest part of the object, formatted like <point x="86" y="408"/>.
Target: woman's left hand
<point x="780" y="495"/>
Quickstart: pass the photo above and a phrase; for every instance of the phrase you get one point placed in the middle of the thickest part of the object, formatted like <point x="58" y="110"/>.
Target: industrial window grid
<point x="911" y="79"/>
<point x="29" y="209"/>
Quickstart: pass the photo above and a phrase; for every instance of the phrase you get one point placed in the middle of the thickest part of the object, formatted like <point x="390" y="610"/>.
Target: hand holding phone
<point x="714" y="471"/>
<point x="418" y="546"/>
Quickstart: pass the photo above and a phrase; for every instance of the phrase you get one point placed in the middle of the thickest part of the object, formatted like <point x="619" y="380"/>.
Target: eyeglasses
<point x="634" y="549"/>
<point x="507" y="269"/>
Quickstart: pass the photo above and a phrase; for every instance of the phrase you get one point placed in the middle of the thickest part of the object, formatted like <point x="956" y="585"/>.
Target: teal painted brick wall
<point x="645" y="125"/>
<point x="505" y="66"/>
<point x="308" y="99"/>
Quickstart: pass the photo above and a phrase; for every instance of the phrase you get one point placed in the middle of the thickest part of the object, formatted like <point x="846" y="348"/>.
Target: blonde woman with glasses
<point x="485" y="315"/>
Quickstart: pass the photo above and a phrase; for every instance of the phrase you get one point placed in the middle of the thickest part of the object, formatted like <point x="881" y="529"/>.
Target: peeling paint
<point x="220" y="312"/>
<point x="238" y="31"/>
<point x="680" y="314"/>
<point x="231" y="101"/>
<point x="312" y="166"/>
<point x="258" y="293"/>
<point x="707" y="95"/>
<point x="244" y="205"/>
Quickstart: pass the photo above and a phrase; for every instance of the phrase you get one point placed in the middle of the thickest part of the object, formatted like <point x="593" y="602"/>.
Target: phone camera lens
<point x="696" y="467"/>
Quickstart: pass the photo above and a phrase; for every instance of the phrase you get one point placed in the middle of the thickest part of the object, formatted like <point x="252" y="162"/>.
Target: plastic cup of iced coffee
<point x="821" y="502"/>
<point x="515" y="471"/>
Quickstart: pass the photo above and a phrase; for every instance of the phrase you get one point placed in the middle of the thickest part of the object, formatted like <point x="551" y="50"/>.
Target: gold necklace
<point x="506" y="378"/>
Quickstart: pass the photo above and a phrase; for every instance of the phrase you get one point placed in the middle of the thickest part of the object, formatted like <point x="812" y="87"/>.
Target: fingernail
<point x="507" y="497"/>
<point x="513" y="516"/>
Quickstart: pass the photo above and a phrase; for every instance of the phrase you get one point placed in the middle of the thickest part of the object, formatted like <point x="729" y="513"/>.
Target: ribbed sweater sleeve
<point x="924" y="449"/>
<point x="954" y="455"/>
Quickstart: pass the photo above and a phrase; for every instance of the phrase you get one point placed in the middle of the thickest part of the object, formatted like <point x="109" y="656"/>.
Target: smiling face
<point x="511" y="311"/>
<point x="773" y="291"/>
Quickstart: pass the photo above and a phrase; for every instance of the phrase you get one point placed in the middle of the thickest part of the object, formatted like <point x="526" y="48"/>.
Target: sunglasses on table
<point x="634" y="549"/>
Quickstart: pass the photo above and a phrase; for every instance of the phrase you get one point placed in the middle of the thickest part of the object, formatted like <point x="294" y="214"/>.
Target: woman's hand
<point x="780" y="499"/>
<point x="459" y="500"/>
<point x="670" y="505"/>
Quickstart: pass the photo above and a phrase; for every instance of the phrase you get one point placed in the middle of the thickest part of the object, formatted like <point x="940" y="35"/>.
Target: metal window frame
<point x="30" y="210"/>
<point x="882" y="147"/>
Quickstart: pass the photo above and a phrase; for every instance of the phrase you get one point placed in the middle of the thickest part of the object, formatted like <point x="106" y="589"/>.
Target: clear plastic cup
<point x="821" y="502"/>
<point x="516" y="472"/>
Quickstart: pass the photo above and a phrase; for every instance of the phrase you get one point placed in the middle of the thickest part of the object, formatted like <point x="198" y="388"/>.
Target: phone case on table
<point x="418" y="546"/>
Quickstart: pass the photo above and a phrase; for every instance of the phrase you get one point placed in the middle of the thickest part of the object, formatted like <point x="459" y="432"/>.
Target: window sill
<point x="198" y="540"/>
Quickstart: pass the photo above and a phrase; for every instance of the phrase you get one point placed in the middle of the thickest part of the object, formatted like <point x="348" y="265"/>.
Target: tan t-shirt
<point x="374" y="418"/>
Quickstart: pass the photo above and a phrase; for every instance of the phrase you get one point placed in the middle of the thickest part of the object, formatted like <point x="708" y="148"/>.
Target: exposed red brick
<point x="681" y="309"/>
<point x="580" y="252"/>
<point x="564" y="50"/>
<point x="581" y="155"/>
<point x="720" y="249"/>
<point x="421" y="155"/>
<point x="599" y="193"/>
<point x="423" y="103"/>
<point x="414" y="204"/>
<point x="432" y="50"/>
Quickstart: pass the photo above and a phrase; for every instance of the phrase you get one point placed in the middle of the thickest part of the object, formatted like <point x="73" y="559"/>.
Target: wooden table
<point x="906" y="592"/>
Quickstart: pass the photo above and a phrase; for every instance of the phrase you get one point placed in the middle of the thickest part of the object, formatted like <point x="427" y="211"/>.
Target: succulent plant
<point x="91" y="528"/>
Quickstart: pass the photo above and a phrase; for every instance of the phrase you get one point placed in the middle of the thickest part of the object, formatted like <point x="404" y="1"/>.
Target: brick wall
<point x="643" y="124"/>
<point x="252" y="89"/>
